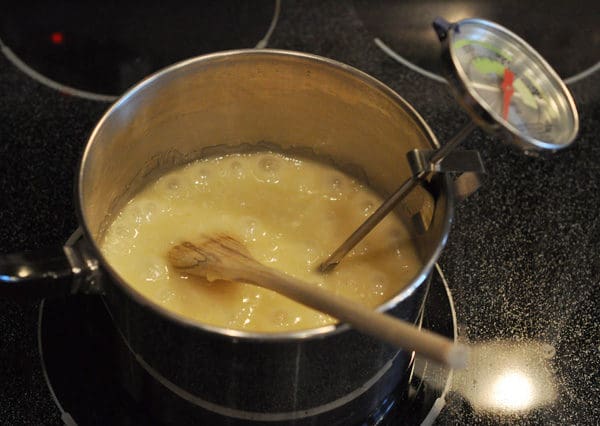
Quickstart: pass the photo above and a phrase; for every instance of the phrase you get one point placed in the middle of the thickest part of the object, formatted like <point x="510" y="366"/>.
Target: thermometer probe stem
<point x="392" y="201"/>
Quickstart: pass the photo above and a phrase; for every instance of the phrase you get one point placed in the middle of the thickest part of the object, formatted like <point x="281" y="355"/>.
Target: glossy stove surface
<point x="105" y="49"/>
<point x="522" y="260"/>
<point x="563" y="32"/>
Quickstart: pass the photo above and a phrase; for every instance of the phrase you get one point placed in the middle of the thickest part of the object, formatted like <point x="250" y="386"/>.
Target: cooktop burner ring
<point x="422" y="399"/>
<point x="58" y="38"/>
<point x="434" y="76"/>
<point x="564" y="34"/>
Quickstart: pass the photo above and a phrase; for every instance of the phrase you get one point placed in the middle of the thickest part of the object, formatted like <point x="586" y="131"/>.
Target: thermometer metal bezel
<point x="479" y="110"/>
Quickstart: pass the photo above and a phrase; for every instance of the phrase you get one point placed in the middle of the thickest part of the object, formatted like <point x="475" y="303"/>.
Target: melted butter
<point x="290" y="213"/>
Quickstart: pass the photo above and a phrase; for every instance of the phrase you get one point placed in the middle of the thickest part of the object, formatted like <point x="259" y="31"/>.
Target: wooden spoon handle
<point x="394" y="331"/>
<point x="223" y="257"/>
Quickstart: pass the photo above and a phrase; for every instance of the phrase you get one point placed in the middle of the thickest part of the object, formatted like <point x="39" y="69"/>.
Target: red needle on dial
<point x="508" y="90"/>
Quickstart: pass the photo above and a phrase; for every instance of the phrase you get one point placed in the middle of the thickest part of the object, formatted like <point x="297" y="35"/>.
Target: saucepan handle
<point x="51" y="272"/>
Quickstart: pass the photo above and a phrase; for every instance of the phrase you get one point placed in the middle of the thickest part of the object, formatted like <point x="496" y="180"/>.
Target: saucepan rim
<point x="319" y="332"/>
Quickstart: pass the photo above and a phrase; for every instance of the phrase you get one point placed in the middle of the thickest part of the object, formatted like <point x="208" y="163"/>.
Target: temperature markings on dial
<point x="492" y="61"/>
<point x="536" y="127"/>
<point x="486" y="65"/>
<point x="500" y="73"/>
<point x="526" y="90"/>
<point x="470" y="44"/>
<point x="530" y="122"/>
<point x="480" y="51"/>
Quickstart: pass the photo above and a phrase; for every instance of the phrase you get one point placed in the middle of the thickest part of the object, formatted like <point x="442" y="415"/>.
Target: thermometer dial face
<point x="513" y="84"/>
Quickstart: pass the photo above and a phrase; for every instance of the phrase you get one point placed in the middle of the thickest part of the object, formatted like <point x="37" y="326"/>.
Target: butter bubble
<point x="251" y="228"/>
<point x="267" y="169"/>
<point x="165" y="295"/>
<point x="148" y="211"/>
<point x="237" y="169"/>
<point x="202" y="176"/>
<point x="173" y="184"/>
<point x="155" y="271"/>
<point x="367" y="207"/>
<point x="334" y="187"/>
<point x="281" y="318"/>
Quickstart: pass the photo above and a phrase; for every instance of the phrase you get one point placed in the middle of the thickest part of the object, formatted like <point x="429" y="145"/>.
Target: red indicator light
<point x="57" y="37"/>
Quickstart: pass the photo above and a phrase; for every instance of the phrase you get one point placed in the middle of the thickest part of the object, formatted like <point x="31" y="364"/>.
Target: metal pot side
<point x="247" y="100"/>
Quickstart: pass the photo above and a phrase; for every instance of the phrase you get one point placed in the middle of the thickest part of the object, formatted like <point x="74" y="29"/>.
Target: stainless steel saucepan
<point x="233" y="101"/>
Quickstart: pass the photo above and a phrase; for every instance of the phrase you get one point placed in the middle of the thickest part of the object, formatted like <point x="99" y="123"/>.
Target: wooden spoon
<point x="221" y="257"/>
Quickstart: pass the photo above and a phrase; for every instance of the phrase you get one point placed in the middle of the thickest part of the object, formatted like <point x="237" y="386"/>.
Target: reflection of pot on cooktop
<point x="98" y="51"/>
<point x="403" y="29"/>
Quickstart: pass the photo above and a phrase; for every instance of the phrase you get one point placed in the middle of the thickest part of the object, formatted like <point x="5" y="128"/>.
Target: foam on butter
<point x="290" y="213"/>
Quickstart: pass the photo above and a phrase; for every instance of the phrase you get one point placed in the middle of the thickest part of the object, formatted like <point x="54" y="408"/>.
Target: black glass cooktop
<point x="565" y="33"/>
<point x="105" y="47"/>
<point x="522" y="259"/>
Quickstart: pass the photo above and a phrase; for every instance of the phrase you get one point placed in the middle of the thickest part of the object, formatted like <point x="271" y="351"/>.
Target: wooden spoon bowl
<point x="222" y="257"/>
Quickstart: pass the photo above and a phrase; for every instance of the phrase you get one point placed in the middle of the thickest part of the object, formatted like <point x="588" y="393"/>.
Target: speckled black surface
<point x="523" y="260"/>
